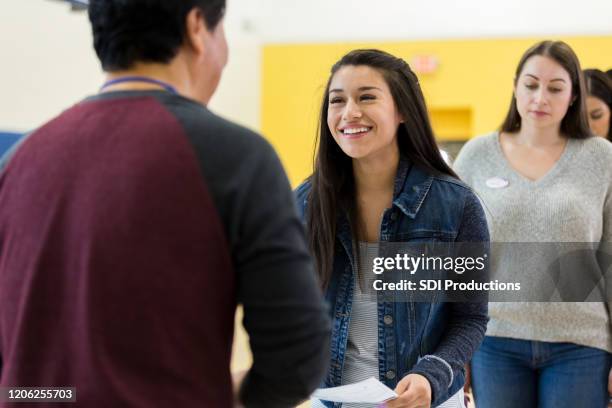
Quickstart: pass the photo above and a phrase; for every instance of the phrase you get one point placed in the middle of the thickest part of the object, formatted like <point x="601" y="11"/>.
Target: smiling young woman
<point x="536" y="179"/>
<point x="379" y="177"/>
<point x="362" y="116"/>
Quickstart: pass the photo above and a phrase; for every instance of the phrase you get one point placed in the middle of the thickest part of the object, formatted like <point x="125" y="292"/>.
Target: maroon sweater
<point x="130" y="227"/>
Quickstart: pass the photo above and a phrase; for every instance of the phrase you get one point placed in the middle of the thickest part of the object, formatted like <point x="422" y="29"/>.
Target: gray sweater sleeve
<point x="607" y="215"/>
<point x="468" y="321"/>
<point x="606" y="238"/>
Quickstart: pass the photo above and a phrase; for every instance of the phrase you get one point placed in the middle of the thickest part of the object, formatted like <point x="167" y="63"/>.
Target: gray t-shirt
<point x="361" y="358"/>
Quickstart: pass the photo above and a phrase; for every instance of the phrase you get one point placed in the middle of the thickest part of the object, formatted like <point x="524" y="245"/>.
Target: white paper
<point x="366" y="391"/>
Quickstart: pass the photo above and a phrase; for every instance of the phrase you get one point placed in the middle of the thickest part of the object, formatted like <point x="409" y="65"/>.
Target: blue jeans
<point x="511" y="373"/>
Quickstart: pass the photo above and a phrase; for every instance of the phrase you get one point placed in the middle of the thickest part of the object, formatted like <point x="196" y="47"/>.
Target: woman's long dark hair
<point x="333" y="186"/>
<point x="575" y="123"/>
<point x="599" y="85"/>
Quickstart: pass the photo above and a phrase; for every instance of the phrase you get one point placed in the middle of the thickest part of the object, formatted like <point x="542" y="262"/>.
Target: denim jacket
<point x="435" y="340"/>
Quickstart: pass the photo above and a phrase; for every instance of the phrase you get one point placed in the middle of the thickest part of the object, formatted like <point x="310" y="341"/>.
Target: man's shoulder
<point x="222" y="146"/>
<point x="200" y="122"/>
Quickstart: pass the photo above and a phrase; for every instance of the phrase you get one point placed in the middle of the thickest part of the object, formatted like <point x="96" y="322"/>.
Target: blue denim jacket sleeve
<point x="468" y="321"/>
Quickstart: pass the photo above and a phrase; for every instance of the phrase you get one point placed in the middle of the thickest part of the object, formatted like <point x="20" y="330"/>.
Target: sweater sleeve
<point x="606" y="239"/>
<point x="284" y="313"/>
<point x="468" y="321"/>
<point x="607" y="215"/>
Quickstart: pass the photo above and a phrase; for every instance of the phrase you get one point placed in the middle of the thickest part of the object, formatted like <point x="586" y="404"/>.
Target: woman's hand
<point x="414" y="392"/>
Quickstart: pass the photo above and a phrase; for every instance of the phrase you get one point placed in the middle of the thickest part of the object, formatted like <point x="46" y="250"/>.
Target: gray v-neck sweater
<point x="570" y="203"/>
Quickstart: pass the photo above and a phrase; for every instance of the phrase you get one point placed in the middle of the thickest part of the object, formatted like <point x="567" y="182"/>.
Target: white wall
<point x="238" y="96"/>
<point x="351" y="20"/>
<point x="48" y="62"/>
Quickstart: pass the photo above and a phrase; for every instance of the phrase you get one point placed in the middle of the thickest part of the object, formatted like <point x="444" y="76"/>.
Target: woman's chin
<point x="355" y="153"/>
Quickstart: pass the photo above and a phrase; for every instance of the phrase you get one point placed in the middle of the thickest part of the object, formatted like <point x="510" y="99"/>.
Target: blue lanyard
<point x="148" y="80"/>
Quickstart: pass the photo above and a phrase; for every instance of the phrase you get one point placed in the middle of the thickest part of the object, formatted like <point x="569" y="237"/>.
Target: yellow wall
<point x="467" y="95"/>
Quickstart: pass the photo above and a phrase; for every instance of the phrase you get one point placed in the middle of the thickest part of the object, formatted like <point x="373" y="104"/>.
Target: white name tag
<point x="497" y="182"/>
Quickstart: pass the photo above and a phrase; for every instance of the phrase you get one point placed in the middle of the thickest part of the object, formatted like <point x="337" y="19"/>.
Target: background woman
<point x="599" y="102"/>
<point x="379" y="177"/>
<point x="543" y="178"/>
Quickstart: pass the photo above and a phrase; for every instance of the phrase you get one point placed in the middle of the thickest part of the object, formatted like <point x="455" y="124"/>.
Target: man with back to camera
<point x="133" y="223"/>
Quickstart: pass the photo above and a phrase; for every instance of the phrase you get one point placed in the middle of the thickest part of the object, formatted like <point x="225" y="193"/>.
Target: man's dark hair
<point x="130" y="31"/>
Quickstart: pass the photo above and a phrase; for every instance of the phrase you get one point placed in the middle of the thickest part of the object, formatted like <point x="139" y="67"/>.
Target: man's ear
<point x="195" y="28"/>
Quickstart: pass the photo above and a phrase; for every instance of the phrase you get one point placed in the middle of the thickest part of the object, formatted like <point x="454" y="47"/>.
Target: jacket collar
<point x="412" y="184"/>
